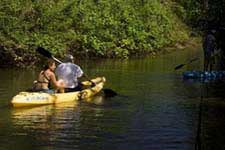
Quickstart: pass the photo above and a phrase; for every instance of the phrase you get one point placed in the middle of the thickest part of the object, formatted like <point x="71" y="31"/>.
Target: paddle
<point x="217" y="52"/>
<point x="182" y="65"/>
<point x="46" y="53"/>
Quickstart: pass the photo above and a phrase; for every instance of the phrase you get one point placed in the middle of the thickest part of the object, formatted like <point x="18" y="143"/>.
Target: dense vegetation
<point x="102" y="28"/>
<point x="202" y="14"/>
<point x="86" y="28"/>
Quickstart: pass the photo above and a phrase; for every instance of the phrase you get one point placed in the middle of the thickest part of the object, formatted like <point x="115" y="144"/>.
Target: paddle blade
<point x="109" y="92"/>
<point x="192" y="60"/>
<point x="179" y="66"/>
<point x="44" y="52"/>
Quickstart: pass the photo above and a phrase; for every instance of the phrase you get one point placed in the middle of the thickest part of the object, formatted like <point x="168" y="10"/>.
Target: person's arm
<point x="54" y="81"/>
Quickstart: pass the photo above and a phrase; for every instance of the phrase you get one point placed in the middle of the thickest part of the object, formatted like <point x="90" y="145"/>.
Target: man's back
<point x="69" y="73"/>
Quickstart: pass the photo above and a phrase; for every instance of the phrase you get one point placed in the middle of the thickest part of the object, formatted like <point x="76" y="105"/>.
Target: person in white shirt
<point x="69" y="73"/>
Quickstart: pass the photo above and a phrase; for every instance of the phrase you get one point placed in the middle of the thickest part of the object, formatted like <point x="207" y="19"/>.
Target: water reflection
<point x="97" y="100"/>
<point x="50" y="124"/>
<point x="39" y="117"/>
<point x="210" y="110"/>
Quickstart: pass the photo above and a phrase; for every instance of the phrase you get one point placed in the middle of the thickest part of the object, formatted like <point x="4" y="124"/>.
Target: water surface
<point x="156" y="109"/>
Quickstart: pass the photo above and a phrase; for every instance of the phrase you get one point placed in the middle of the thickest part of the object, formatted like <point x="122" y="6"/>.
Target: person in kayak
<point x="69" y="73"/>
<point x="209" y="46"/>
<point x="47" y="77"/>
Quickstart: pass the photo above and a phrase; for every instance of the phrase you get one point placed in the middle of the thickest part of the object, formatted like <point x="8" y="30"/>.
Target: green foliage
<point x="201" y="14"/>
<point x="190" y="11"/>
<point x="89" y="27"/>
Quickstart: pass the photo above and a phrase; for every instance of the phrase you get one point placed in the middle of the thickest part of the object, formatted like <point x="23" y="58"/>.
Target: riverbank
<point x="191" y="43"/>
<point x="30" y="60"/>
<point x="97" y="29"/>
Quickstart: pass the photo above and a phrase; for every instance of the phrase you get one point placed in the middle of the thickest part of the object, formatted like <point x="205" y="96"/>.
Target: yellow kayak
<point x="24" y="99"/>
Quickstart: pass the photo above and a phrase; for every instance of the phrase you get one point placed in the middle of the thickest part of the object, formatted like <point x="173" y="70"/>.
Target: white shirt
<point x="69" y="73"/>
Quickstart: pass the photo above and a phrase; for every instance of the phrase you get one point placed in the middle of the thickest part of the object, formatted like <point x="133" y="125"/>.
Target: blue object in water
<point x="211" y="75"/>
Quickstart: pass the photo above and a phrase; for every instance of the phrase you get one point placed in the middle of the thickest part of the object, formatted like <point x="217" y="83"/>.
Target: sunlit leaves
<point x="104" y="28"/>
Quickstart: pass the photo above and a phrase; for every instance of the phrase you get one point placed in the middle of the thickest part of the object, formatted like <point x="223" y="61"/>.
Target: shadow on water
<point x="103" y="100"/>
<point x="211" y="113"/>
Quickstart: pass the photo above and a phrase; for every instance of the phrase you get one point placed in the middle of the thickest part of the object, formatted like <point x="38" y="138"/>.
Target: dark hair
<point x="50" y="62"/>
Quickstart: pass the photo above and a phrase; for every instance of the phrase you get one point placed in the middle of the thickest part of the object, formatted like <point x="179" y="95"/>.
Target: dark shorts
<point x="207" y="54"/>
<point x="209" y="57"/>
<point x="78" y="88"/>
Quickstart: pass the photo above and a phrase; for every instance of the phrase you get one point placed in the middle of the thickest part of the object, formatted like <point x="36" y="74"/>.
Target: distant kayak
<point x="204" y="75"/>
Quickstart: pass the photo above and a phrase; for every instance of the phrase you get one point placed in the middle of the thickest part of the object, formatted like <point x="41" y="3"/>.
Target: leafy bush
<point x="89" y="27"/>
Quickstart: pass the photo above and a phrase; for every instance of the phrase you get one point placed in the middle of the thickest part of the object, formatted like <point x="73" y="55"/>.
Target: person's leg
<point x="211" y="62"/>
<point x="49" y="91"/>
<point x="206" y="64"/>
<point x="210" y="67"/>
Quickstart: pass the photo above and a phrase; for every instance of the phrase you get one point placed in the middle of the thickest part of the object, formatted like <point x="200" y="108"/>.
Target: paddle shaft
<point x="57" y="60"/>
<point x="182" y="65"/>
<point x="217" y="52"/>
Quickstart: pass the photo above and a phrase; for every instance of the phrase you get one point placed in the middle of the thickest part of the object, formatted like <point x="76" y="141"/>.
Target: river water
<point x="155" y="109"/>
